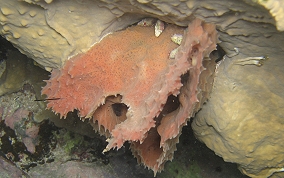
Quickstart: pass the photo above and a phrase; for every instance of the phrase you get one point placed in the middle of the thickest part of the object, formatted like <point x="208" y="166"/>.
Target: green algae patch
<point x="72" y="142"/>
<point x="179" y="170"/>
<point x="69" y="141"/>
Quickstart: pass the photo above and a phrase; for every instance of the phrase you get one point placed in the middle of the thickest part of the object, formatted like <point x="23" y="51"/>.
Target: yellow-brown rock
<point x="243" y="120"/>
<point x="51" y="33"/>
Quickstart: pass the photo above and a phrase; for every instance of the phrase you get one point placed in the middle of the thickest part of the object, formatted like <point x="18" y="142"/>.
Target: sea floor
<point x="192" y="159"/>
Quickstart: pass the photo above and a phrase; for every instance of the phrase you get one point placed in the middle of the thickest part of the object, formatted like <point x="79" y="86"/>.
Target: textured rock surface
<point x="244" y="115"/>
<point x="18" y="76"/>
<point x="7" y="169"/>
<point x="61" y="30"/>
<point x="243" y="119"/>
<point x="20" y="85"/>
<point x="276" y="9"/>
<point x="43" y="32"/>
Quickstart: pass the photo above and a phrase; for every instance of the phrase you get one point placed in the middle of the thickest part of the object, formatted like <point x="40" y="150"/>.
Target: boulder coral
<point x="123" y="82"/>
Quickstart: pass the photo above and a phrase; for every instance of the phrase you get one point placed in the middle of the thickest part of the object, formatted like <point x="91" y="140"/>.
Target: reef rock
<point x="43" y="26"/>
<point x="52" y="31"/>
<point x="244" y="114"/>
<point x="133" y="67"/>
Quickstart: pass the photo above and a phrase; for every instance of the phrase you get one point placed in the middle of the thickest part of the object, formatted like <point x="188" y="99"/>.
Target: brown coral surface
<point x="133" y="67"/>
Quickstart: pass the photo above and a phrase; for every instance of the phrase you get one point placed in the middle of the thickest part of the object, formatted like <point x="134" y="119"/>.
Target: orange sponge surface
<point x="132" y="63"/>
<point x="133" y="67"/>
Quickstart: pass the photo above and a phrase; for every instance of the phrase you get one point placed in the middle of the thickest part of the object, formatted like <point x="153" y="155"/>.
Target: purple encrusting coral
<point x="18" y="115"/>
<point x="26" y="129"/>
